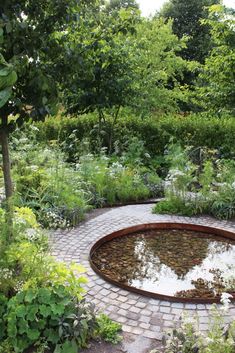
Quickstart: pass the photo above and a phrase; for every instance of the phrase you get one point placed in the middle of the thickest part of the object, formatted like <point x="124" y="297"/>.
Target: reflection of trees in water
<point x="158" y="252"/>
<point x="220" y="246"/>
<point x="178" y="251"/>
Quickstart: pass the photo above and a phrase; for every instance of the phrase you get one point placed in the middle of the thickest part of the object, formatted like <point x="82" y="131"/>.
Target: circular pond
<point x="181" y="262"/>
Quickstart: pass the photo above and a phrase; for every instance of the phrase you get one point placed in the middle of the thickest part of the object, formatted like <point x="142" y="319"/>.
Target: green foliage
<point x="45" y="183"/>
<point x="187" y="17"/>
<point x="32" y="44"/>
<point x="8" y="78"/>
<point x="104" y="78"/>
<point x="60" y="193"/>
<point x="50" y="315"/>
<point x="111" y="182"/>
<point x="192" y="190"/>
<point x="191" y="130"/>
<point x="223" y="206"/>
<point x="175" y="205"/>
<point x="159" y="68"/>
<point x="108" y="330"/>
<point x="3" y="309"/>
<point x="216" y="84"/>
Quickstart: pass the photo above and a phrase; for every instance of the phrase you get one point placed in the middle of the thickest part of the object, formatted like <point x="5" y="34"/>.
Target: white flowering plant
<point x="187" y="337"/>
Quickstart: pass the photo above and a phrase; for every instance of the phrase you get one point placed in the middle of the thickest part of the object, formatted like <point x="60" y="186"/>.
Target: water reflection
<point x="170" y="262"/>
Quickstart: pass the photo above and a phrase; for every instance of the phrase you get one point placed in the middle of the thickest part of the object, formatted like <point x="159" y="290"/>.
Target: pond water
<point x="170" y="262"/>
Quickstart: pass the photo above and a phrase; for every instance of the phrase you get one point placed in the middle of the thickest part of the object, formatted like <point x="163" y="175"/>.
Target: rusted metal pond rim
<point x="149" y="226"/>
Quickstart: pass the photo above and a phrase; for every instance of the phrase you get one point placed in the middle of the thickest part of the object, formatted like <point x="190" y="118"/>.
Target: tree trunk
<point x="6" y="164"/>
<point x="7" y="179"/>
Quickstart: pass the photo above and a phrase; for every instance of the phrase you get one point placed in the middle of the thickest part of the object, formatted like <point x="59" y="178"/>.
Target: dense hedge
<point x="193" y="130"/>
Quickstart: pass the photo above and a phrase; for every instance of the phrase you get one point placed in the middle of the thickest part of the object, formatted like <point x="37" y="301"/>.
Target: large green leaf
<point x="5" y="96"/>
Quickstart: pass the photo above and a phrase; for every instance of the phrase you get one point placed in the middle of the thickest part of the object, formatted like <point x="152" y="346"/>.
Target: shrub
<point x="3" y="309"/>
<point x="108" y="330"/>
<point x="49" y="315"/>
<point x="175" y="205"/>
<point x="111" y="182"/>
<point x="197" y="130"/>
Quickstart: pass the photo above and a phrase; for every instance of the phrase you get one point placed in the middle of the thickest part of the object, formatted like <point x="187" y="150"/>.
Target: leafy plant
<point x="49" y="314"/>
<point x="175" y="205"/>
<point x="108" y="330"/>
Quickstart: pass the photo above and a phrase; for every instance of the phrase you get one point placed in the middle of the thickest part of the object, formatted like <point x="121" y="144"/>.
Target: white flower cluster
<point x="174" y="174"/>
<point x="32" y="234"/>
<point x="56" y="221"/>
<point x="225" y="300"/>
<point x="115" y="169"/>
<point x="6" y="273"/>
<point x="19" y="286"/>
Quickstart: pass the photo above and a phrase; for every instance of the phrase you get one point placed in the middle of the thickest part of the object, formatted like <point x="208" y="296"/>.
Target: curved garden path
<point x="139" y="315"/>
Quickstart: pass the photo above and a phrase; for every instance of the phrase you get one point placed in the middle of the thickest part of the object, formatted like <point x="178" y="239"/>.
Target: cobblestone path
<point x="139" y="315"/>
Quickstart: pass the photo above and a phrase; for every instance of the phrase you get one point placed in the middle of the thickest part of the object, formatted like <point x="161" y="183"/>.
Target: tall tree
<point x="216" y="90"/>
<point x="112" y="5"/>
<point x="103" y="79"/>
<point x="187" y="16"/>
<point x="158" y="67"/>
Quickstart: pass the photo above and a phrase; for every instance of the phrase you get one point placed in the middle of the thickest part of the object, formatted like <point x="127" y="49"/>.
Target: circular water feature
<point x="180" y="262"/>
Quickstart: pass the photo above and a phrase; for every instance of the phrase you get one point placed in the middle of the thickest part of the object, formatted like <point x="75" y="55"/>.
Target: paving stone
<point x="146" y="312"/>
<point x="145" y="319"/>
<point x="164" y="303"/>
<point x="153" y="335"/>
<point x="169" y="324"/>
<point x="176" y="311"/>
<point x="177" y="305"/>
<point x="190" y="306"/>
<point x="201" y="306"/>
<point x="133" y="309"/>
<point x="132" y="323"/>
<point x="122" y="320"/>
<point x="204" y="320"/>
<point x="137" y="331"/>
<point x="122" y="299"/>
<point x="165" y="309"/>
<point x="122" y="312"/>
<point x="168" y="317"/>
<point x="141" y="305"/>
<point x="124" y="306"/>
<point x="155" y="320"/>
<point x="113" y="295"/>
<point x="132" y="316"/>
<point x="155" y="328"/>
<point x="203" y="327"/>
<point x="144" y="325"/>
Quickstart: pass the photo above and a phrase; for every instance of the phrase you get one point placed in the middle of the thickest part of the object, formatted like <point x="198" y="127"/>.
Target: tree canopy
<point x="216" y="80"/>
<point x="187" y="16"/>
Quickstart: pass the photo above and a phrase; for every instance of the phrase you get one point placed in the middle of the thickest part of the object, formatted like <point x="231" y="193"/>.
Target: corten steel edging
<point x="142" y="227"/>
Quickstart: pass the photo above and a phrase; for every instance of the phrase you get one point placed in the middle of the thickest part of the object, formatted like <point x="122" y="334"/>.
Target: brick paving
<point x="139" y="315"/>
